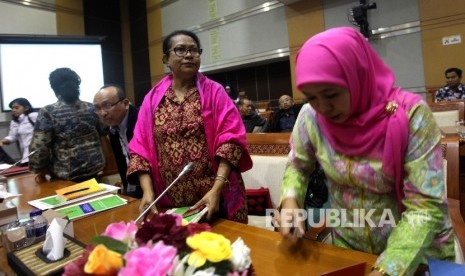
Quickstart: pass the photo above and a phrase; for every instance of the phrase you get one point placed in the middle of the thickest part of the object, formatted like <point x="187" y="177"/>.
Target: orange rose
<point x="103" y="261"/>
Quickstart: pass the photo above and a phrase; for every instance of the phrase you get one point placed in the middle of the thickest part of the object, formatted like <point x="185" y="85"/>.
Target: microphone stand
<point x="185" y="170"/>
<point x="17" y="162"/>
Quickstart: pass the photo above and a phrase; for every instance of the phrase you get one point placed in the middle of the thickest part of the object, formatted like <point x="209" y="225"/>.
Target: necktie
<point x="123" y="144"/>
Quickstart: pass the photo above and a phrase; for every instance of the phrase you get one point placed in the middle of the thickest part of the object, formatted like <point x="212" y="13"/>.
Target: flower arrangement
<point x="165" y="245"/>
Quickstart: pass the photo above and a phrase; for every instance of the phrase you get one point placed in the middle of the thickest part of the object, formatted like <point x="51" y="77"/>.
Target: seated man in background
<point x="454" y="90"/>
<point x="250" y="118"/>
<point x="242" y="95"/>
<point x="115" y="111"/>
<point x="284" y="118"/>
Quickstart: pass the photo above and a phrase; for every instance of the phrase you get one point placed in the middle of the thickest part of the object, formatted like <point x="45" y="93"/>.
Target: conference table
<point x="271" y="255"/>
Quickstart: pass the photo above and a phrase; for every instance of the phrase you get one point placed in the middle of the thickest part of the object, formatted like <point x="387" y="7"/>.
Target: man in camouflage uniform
<point x="67" y="134"/>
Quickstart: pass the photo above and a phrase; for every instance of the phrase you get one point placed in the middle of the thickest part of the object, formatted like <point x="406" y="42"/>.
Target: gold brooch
<point x="391" y="107"/>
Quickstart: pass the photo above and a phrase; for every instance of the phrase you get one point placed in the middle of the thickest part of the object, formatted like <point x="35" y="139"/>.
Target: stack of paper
<point x="194" y="217"/>
<point x="92" y="206"/>
<point x="57" y="201"/>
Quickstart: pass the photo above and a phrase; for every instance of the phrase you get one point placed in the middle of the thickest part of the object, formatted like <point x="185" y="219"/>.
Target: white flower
<point x="207" y="272"/>
<point x="178" y="268"/>
<point x="240" y="255"/>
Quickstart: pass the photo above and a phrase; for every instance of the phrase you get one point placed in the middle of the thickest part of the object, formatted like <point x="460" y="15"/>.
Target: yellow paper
<point x="81" y="189"/>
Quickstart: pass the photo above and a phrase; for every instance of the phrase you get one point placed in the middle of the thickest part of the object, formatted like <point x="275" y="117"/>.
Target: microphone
<point x="185" y="170"/>
<point x="17" y="162"/>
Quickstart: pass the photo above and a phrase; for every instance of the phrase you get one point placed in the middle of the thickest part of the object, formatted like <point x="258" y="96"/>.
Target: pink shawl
<point x="222" y="122"/>
<point x="342" y="56"/>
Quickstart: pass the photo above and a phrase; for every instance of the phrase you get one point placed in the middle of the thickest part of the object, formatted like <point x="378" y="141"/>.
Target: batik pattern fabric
<point x="203" y="128"/>
<point x="67" y="141"/>
<point x="447" y="94"/>
<point x="358" y="185"/>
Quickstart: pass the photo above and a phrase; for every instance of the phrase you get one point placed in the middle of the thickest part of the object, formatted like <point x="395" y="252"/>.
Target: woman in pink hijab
<point x="379" y="147"/>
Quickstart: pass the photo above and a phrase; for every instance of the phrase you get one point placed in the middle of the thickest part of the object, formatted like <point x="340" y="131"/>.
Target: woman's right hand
<point x="148" y="196"/>
<point x="291" y="226"/>
<point x="147" y="199"/>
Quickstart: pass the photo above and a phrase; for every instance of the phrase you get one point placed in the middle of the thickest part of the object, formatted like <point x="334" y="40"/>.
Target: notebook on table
<point x="12" y="170"/>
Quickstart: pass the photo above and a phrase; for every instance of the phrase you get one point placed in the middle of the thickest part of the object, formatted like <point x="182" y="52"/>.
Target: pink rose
<point x="121" y="231"/>
<point x="148" y="260"/>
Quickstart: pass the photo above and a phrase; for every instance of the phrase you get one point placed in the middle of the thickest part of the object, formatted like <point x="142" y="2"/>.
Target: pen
<point x="76" y="191"/>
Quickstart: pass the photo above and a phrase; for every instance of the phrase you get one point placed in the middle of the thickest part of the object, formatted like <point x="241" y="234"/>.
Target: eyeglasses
<point x="106" y="106"/>
<point x="182" y="52"/>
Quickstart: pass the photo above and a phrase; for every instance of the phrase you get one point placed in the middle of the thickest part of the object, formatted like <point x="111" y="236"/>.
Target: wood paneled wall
<point x="440" y="19"/>
<point x="70" y="19"/>
<point x="304" y="19"/>
<point x="155" y="37"/>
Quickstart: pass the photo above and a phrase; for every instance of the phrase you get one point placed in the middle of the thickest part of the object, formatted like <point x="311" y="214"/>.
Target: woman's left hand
<point x="212" y="200"/>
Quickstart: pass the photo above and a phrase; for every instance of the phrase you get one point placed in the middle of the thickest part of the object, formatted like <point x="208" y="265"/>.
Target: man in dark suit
<point x="250" y="118"/>
<point x="116" y="112"/>
<point x="284" y="118"/>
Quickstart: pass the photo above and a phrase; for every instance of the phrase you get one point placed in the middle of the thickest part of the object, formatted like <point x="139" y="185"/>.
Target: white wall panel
<point x="403" y="53"/>
<point x="256" y="34"/>
<point x="19" y="19"/>
<point x="239" y="37"/>
<point x="183" y="15"/>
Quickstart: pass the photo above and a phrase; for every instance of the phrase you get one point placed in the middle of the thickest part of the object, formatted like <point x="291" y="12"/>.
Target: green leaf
<point x="110" y="243"/>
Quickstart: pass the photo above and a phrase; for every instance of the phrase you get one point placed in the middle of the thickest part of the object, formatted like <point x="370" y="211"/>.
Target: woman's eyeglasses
<point x="182" y="52"/>
<point x="106" y="106"/>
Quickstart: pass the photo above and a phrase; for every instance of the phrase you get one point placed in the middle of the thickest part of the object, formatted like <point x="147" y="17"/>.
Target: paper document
<point x="92" y="206"/>
<point x="7" y="195"/>
<point x="56" y="201"/>
<point x="5" y="166"/>
<point x="195" y="217"/>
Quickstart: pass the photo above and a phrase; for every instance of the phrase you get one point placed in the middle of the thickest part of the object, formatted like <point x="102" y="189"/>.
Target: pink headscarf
<point x="343" y="57"/>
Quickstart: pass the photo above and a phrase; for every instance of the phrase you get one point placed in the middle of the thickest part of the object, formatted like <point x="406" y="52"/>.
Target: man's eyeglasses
<point x="182" y="52"/>
<point x="106" y="106"/>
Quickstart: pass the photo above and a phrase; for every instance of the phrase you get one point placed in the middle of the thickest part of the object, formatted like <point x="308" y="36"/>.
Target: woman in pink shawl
<point x="188" y="118"/>
<point x="379" y="147"/>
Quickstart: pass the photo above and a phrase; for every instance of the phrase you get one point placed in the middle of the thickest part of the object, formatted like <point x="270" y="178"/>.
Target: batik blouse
<point x="357" y="184"/>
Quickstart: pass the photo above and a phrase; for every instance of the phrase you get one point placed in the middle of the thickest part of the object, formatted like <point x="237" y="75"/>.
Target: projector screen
<point x="25" y="68"/>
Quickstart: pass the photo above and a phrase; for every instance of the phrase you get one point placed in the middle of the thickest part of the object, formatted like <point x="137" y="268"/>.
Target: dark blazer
<point x="253" y="120"/>
<point x="118" y="152"/>
<point x="274" y="126"/>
